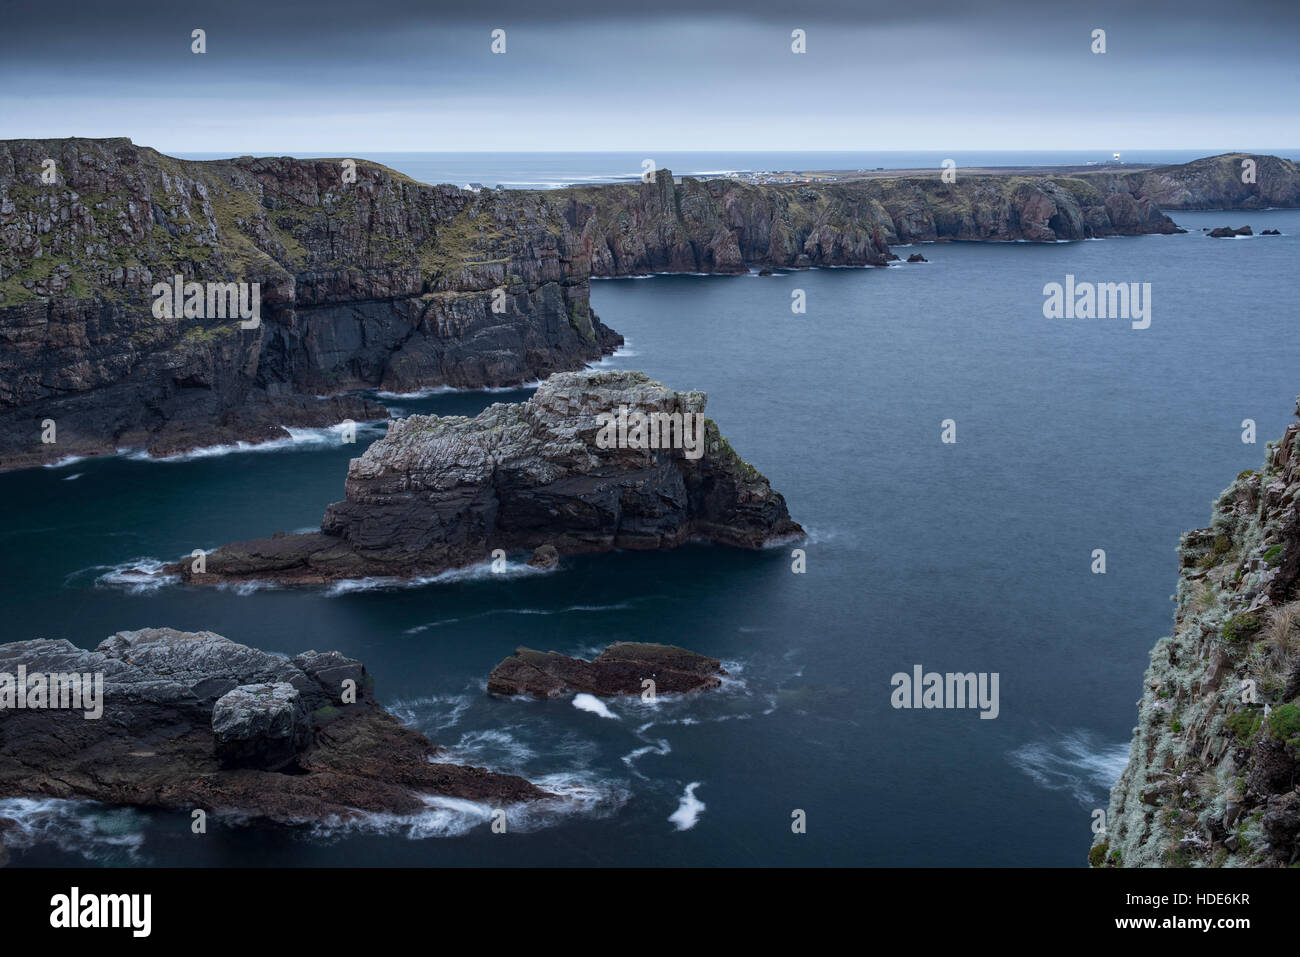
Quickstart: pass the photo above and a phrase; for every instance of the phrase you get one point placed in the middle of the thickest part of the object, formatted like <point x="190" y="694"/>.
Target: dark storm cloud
<point x="400" y="74"/>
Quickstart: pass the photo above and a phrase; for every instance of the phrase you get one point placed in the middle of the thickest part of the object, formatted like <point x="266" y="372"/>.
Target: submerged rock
<point x="194" y="720"/>
<point x="621" y="669"/>
<point x="568" y="469"/>
<point x="545" y="556"/>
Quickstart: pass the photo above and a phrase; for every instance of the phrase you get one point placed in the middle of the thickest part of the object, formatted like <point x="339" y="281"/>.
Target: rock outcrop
<point x="1213" y="768"/>
<point x="444" y="492"/>
<point x="621" y="669"/>
<point x="194" y="720"/>
<point x="1228" y="232"/>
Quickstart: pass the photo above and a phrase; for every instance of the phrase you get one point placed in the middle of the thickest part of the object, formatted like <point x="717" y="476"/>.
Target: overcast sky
<point x="333" y="76"/>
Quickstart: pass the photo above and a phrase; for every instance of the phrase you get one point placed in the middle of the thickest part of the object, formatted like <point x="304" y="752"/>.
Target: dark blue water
<point x="548" y="170"/>
<point x="1071" y="435"/>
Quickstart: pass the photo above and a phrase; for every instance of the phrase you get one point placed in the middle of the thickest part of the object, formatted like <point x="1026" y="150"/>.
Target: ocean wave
<point x="431" y="713"/>
<point x="96" y="832"/>
<point x="446" y="389"/>
<point x="66" y="460"/>
<point x="480" y="572"/>
<point x="1077" y="762"/>
<point x="74" y="475"/>
<point x="575" y="794"/>
<point x="568" y="609"/>
<point x="296" y="439"/>
<point x="136" y="576"/>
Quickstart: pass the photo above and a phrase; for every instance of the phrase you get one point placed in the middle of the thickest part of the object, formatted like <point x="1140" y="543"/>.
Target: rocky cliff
<point x="720" y="225"/>
<point x="381" y="282"/>
<point x="1213" y="771"/>
<point x="445" y="492"/>
<point x="1215" y="182"/>
<point x="193" y="720"/>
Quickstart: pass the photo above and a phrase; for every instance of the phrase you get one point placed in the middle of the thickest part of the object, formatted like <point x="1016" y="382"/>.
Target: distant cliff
<point x="388" y="283"/>
<point x="1213" y="768"/>
<point x="1215" y="182"/>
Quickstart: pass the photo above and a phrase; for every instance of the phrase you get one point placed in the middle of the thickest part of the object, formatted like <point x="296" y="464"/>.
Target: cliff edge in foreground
<point x="569" y="468"/>
<point x="1212" y="773"/>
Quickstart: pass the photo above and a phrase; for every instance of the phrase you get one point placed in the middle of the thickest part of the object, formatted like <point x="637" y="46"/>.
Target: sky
<point x="343" y="76"/>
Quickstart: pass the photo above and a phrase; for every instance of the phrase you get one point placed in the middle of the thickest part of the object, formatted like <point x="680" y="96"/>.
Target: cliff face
<point x="385" y="282"/>
<point x="382" y="282"/>
<point x="1215" y="182"/>
<point x="440" y="492"/>
<point x="724" y="226"/>
<point x="1213" y="770"/>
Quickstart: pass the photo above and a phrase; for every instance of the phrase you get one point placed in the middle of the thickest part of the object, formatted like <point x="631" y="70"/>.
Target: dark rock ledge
<point x="618" y="670"/>
<point x="444" y="492"/>
<point x="194" y="720"/>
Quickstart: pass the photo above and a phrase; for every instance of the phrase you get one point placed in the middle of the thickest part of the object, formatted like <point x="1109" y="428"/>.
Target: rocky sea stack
<point x="195" y="720"/>
<point x="440" y="492"/>
<point x="621" y="669"/>
<point x="1215" y="761"/>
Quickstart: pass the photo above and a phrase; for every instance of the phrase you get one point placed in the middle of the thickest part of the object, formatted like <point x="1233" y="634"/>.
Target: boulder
<point x="260" y="726"/>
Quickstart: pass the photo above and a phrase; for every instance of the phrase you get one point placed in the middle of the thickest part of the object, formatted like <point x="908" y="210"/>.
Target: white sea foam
<point x="94" y="831"/>
<point x="480" y="572"/>
<point x="446" y="389"/>
<point x="127" y="575"/>
<point x="74" y="475"/>
<point x="296" y="439"/>
<point x="575" y="793"/>
<point x="689" y="809"/>
<point x="1076" y="762"/>
<point x="66" y="460"/>
<point x="587" y="702"/>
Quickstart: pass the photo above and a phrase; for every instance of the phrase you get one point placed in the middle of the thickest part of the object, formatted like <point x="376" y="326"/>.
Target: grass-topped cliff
<point x="1215" y="760"/>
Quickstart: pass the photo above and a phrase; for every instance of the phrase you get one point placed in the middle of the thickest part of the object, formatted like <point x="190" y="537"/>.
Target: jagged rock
<point x="917" y="258"/>
<point x="1234" y="577"/>
<point x="156" y="744"/>
<point x="1270" y="232"/>
<point x="1227" y="232"/>
<point x="1281" y="824"/>
<point x="620" y="669"/>
<point x="545" y="556"/>
<point x="444" y="492"/>
<point x="260" y="726"/>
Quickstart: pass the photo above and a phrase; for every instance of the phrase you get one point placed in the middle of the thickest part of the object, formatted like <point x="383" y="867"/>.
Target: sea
<point x="977" y="554"/>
